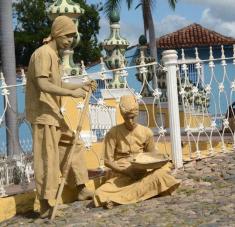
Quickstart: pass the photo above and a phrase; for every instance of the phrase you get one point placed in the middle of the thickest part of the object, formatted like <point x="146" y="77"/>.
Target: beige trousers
<point x="50" y="151"/>
<point x="123" y="190"/>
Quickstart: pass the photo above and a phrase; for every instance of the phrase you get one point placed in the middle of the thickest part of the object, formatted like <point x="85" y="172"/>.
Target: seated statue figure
<point x="122" y="143"/>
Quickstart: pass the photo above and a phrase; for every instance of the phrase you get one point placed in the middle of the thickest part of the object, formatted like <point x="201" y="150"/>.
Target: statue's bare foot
<point x="84" y="193"/>
<point x="109" y="205"/>
<point x="45" y="208"/>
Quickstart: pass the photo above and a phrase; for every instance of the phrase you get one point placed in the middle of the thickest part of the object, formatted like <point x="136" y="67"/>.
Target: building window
<point x="143" y="117"/>
<point x="161" y="119"/>
<point x="192" y="72"/>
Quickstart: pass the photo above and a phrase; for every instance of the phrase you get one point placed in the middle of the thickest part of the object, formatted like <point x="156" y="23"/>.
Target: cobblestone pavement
<point x="206" y="198"/>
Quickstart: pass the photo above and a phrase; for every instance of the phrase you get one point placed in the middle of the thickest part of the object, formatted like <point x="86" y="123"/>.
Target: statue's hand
<point x="90" y="84"/>
<point x="78" y="93"/>
<point x="133" y="173"/>
<point x="129" y="173"/>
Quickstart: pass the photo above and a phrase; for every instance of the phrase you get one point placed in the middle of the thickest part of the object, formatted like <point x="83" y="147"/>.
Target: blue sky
<point x="217" y="15"/>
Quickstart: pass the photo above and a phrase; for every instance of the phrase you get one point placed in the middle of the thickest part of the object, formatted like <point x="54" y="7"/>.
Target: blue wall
<point x="204" y="53"/>
<point x="24" y="129"/>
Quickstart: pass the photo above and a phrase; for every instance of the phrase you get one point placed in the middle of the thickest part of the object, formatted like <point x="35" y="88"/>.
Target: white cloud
<point x="128" y="30"/>
<point x="170" y="24"/>
<point x="223" y="9"/>
<point x="219" y="15"/>
<point x="224" y="27"/>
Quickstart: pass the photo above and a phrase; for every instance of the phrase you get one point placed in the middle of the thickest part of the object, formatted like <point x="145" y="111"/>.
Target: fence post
<point x="170" y="58"/>
<point x="6" y="174"/>
<point x="2" y="191"/>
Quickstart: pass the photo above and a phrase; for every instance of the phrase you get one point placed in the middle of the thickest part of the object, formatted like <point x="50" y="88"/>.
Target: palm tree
<point x="9" y="70"/>
<point x="147" y="7"/>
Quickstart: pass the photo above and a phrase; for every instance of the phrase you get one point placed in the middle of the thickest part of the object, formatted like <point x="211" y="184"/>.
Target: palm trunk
<point x="152" y="42"/>
<point x="9" y="71"/>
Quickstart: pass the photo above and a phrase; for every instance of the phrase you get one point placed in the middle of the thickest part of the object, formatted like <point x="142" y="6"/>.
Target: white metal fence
<point x="101" y="119"/>
<point x="15" y="172"/>
<point x="206" y="102"/>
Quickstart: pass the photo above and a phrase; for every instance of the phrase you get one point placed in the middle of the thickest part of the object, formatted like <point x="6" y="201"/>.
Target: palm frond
<point x="129" y="3"/>
<point x="111" y="5"/>
<point x="172" y="3"/>
<point x="140" y="4"/>
<point x="147" y="6"/>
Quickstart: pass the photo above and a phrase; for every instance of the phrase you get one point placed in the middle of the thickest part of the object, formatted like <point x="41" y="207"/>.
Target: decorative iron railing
<point x="206" y="102"/>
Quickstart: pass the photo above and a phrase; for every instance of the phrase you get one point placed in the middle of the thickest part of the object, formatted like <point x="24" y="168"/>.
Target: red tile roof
<point x="193" y="35"/>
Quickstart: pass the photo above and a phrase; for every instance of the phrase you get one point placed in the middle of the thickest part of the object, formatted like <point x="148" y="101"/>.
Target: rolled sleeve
<point x="42" y="64"/>
<point x="109" y="147"/>
<point x="150" y="144"/>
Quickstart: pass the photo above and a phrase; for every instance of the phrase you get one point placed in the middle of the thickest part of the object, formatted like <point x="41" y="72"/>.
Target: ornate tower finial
<point x="144" y="74"/>
<point x="115" y="47"/>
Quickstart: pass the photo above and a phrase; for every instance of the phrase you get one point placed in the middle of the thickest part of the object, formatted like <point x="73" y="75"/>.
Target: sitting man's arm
<point x="110" y="146"/>
<point x="46" y="86"/>
<point x="109" y="149"/>
<point x="128" y="171"/>
<point x="149" y="143"/>
<point x="151" y="148"/>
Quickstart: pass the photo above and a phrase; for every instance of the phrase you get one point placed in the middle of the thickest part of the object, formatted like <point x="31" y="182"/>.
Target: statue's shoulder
<point x="115" y="129"/>
<point x="43" y="50"/>
<point x="145" y="130"/>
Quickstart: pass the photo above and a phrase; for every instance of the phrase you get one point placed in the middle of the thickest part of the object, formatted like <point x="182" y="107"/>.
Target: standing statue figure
<point x="51" y="136"/>
<point x="123" y="143"/>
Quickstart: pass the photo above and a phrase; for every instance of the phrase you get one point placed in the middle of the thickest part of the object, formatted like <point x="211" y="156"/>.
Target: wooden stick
<point x="70" y="155"/>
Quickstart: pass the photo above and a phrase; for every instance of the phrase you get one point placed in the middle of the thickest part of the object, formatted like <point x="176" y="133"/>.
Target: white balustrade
<point x="7" y="171"/>
<point x="102" y="118"/>
<point x="207" y="103"/>
<point x="169" y="58"/>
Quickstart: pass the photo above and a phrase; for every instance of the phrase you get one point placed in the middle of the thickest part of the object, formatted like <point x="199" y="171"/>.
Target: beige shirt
<point x="122" y="143"/>
<point x="42" y="107"/>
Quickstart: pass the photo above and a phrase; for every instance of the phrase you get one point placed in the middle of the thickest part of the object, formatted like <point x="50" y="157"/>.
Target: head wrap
<point x="61" y="26"/>
<point x="129" y="105"/>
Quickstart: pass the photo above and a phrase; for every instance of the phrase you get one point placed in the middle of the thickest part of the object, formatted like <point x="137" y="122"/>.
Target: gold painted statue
<point x="51" y="136"/>
<point x="122" y="144"/>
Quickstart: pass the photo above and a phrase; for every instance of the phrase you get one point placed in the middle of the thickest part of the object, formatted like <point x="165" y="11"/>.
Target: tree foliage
<point x="33" y="25"/>
<point x="88" y="48"/>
